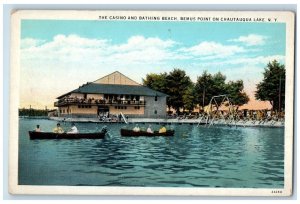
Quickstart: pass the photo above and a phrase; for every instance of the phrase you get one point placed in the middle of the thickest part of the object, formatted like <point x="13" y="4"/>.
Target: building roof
<point x="95" y="88"/>
<point x="116" y="78"/>
<point x="256" y="105"/>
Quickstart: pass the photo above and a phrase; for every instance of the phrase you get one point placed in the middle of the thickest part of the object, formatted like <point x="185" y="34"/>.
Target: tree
<point x="201" y="88"/>
<point x="178" y="82"/>
<point x="208" y="85"/>
<point x="272" y="87"/>
<point x="156" y="81"/>
<point x="235" y="92"/>
<point x="189" y="98"/>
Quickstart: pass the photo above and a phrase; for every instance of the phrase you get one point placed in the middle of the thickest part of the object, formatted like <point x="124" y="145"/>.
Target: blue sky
<point x="58" y="56"/>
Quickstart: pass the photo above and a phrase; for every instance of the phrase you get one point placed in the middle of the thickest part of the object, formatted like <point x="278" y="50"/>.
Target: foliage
<point x="32" y="112"/>
<point x="272" y="87"/>
<point x="235" y="92"/>
<point x="156" y="81"/>
<point x="189" y="98"/>
<point x="184" y="94"/>
<point x="177" y="82"/>
<point x="174" y="84"/>
<point x="208" y="85"/>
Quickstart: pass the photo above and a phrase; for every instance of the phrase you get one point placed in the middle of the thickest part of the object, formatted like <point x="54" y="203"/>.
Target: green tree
<point x="157" y="82"/>
<point x="189" y="98"/>
<point x="208" y="85"/>
<point x="272" y="87"/>
<point x="178" y="82"/>
<point x="202" y="88"/>
<point x="218" y="86"/>
<point x="235" y="91"/>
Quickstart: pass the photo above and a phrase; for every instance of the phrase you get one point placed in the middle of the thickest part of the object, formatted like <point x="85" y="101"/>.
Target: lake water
<point x="229" y="157"/>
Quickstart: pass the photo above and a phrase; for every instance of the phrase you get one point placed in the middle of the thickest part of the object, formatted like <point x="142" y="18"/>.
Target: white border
<point x="14" y="188"/>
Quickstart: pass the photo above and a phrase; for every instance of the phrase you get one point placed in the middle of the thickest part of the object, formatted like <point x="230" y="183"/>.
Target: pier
<point x="201" y="122"/>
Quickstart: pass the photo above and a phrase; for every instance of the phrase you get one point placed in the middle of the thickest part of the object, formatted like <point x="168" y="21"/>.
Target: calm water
<point x="195" y="156"/>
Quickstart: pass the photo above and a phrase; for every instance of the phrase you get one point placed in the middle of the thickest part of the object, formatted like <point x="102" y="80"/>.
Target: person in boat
<point x="37" y="129"/>
<point x="136" y="129"/>
<point x="163" y="129"/>
<point x="149" y="130"/>
<point x="58" y="129"/>
<point x="73" y="129"/>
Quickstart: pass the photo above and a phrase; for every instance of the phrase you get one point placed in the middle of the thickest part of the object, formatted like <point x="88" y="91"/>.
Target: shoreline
<point x="276" y="124"/>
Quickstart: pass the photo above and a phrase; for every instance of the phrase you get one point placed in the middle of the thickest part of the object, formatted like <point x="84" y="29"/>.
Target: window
<point x="79" y="106"/>
<point x="116" y="107"/>
<point x="155" y="111"/>
<point x="125" y="107"/>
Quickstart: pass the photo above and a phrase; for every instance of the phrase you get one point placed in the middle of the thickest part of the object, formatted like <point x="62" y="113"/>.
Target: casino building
<point x="111" y="95"/>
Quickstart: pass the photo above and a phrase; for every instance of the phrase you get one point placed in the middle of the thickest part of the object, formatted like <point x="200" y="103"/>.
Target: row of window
<point x="84" y="106"/>
<point x="65" y="111"/>
<point x="120" y="107"/>
<point x="125" y="107"/>
<point x="116" y="107"/>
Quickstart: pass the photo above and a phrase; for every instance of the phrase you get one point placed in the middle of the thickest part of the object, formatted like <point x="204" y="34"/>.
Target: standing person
<point x="37" y="129"/>
<point x="58" y="129"/>
<point x="73" y="129"/>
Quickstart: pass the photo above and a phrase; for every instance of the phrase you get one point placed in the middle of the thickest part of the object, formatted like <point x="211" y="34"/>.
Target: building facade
<point x="111" y="95"/>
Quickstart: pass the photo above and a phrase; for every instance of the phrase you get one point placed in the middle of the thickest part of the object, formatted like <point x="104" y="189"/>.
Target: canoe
<point x="50" y="135"/>
<point x="129" y="133"/>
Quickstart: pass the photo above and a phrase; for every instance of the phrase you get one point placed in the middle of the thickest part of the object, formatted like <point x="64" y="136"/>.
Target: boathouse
<point x="111" y="95"/>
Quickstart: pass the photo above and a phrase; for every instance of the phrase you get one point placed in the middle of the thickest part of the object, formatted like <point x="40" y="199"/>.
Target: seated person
<point x="73" y="129"/>
<point x="58" y="129"/>
<point x="136" y="129"/>
<point x="38" y="129"/>
<point x="149" y="130"/>
<point x="162" y="130"/>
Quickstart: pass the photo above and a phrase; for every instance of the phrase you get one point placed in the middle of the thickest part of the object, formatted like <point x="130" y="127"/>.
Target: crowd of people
<point x="101" y="100"/>
<point x="111" y="117"/>
<point x="260" y="116"/>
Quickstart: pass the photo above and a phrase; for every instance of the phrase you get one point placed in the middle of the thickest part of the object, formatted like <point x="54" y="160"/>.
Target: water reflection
<point x="195" y="156"/>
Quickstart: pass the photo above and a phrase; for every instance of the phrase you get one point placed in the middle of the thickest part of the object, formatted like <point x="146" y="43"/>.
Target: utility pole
<point x="279" y="95"/>
<point x="203" y="96"/>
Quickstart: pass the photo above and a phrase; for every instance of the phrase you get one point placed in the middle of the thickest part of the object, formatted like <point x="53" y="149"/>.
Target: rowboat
<point x="50" y="135"/>
<point x="129" y="133"/>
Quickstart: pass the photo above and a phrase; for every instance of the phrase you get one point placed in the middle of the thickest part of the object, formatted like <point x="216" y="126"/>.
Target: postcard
<point x="186" y="103"/>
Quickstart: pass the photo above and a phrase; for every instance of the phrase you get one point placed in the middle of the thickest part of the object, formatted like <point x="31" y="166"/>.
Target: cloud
<point x="141" y="43"/>
<point x="251" y="39"/>
<point x="68" y="61"/>
<point x="76" y="49"/>
<point x="30" y="42"/>
<point x="258" y="60"/>
<point x="212" y="50"/>
<point x="76" y="60"/>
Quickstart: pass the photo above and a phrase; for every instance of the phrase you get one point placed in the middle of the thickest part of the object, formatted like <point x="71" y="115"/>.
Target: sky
<point x="58" y="56"/>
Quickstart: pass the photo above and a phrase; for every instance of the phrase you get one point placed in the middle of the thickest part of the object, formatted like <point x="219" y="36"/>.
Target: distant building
<point x="111" y="95"/>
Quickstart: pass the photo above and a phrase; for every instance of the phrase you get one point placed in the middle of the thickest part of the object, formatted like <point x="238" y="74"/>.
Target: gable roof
<point x="96" y="88"/>
<point x="116" y="78"/>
